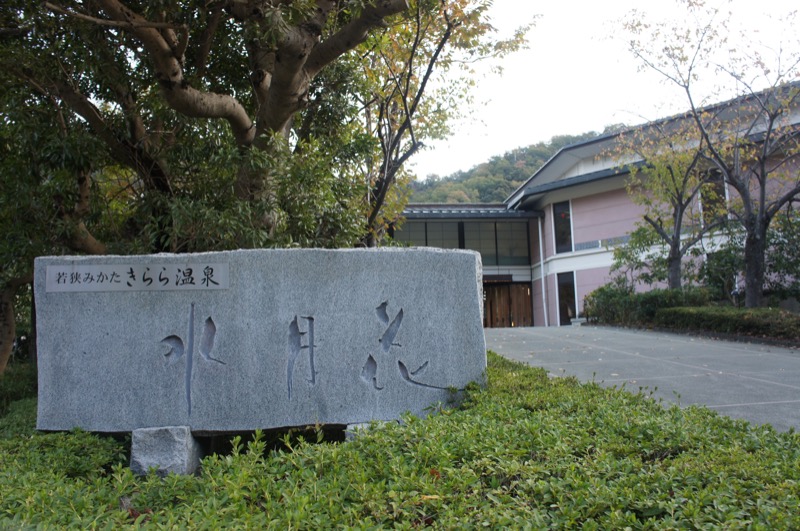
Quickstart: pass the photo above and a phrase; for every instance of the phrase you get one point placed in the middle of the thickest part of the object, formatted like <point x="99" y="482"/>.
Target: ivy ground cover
<point x="526" y="452"/>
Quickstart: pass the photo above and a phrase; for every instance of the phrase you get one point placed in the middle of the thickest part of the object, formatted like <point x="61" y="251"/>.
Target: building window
<point x="443" y="234"/>
<point x="512" y="244"/>
<point x="504" y="243"/>
<point x="562" y="226"/>
<point x="412" y="233"/>
<point x="480" y="236"/>
<point x="566" y="298"/>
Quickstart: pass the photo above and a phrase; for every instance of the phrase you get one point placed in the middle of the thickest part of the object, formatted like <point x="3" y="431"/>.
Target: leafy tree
<point x="782" y="265"/>
<point x="46" y="204"/>
<point x="641" y="259"/>
<point x="424" y="89"/>
<point x="752" y="141"/>
<point x="137" y="126"/>
<point x="675" y="186"/>
<point x="725" y="261"/>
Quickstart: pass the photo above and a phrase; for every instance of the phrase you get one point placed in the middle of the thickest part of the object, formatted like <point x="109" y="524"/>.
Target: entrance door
<point x="566" y="298"/>
<point x="507" y="305"/>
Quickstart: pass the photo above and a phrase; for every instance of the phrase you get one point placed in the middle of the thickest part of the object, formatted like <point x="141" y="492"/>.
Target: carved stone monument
<point x="240" y="340"/>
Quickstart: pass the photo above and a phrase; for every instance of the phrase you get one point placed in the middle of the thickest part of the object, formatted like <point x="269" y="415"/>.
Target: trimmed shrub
<point x="620" y="305"/>
<point x="649" y="302"/>
<point x="609" y="304"/>
<point x="753" y="322"/>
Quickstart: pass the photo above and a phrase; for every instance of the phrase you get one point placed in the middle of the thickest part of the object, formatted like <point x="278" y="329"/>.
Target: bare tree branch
<point x="114" y="23"/>
<point x="353" y="33"/>
<point x="169" y="72"/>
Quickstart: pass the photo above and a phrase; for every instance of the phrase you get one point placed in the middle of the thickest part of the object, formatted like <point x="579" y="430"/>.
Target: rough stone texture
<point x="288" y="338"/>
<point x="170" y="449"/>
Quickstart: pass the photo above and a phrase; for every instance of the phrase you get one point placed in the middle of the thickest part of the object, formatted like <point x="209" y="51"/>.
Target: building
<point x="547" y="245"/>
<point x="550" y="243"/>
<point x="501" y="234"/>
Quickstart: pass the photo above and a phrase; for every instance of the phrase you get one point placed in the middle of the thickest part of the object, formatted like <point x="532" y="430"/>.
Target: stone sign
<point x="240" y="340"/>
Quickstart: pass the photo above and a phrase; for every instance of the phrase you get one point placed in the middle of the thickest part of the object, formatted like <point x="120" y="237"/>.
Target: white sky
<point x="576" y="76"/>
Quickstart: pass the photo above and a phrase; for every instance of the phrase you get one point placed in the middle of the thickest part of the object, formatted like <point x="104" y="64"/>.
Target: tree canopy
<point x="752" y="140"/>
<point x="670" y="178"/>
<point x="176" y="125"/>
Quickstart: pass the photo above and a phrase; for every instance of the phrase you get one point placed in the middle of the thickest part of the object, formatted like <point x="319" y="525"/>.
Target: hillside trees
<point x="495" y="180"/>
<point x="752" y="142"/>
<point x="138" y="126"/>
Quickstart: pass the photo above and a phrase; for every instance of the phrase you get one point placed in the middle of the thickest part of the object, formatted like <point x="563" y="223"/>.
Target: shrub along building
<point x="550" y="243"/>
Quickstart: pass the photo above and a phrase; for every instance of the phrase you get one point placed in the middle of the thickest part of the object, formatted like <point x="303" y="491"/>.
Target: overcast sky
<point x="577" y="76"/>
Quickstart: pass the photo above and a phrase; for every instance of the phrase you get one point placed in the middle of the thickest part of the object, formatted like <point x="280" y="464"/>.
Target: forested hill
<point x="493" y="181"/>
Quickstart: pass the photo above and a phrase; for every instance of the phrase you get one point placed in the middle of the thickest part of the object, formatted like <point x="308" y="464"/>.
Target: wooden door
<point x="507" y="305"/>
<point x="521" y="310"/>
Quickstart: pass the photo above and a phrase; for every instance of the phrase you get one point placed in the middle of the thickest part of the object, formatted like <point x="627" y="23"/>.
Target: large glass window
<point x="443" y="234"/>
<point x="479" y="236"/>
<point x="412" y="233"/>
<point x="512" y="243"/>
<point x="504" y="243"/>
<point x="562" y="225"/>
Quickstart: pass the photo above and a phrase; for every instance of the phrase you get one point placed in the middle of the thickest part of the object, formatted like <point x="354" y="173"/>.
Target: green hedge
<point x="527" y="452"/>
<point x="757" y="322"/>
<point x="612" y="304"/>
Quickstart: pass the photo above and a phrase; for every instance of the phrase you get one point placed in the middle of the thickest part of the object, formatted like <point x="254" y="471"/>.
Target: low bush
<point x="526" y="452"/>
<point x="17" y="382"/>
<point x="620" y="305"/>
<point x="756" y="322"/>
<point x="610" y="304"/>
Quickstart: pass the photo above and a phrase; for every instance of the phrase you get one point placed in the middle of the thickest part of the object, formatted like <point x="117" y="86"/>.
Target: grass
<point x="526" y="452"/>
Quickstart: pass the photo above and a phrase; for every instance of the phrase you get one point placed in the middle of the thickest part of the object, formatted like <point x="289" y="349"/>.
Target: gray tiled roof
<point x="464" y="211"/>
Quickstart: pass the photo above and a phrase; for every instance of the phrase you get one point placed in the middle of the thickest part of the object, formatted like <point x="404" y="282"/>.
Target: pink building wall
<point x="605" y="215"/>
<point x="601" y="216"/>
<point x="536" y="298"/>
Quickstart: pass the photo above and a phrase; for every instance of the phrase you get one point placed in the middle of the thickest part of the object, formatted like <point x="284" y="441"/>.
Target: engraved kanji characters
<point x="296" y="347"/>
<point x="177" y="348"/>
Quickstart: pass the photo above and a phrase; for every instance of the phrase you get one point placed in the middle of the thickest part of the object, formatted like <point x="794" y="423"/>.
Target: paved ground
<point x="759" y="383"/>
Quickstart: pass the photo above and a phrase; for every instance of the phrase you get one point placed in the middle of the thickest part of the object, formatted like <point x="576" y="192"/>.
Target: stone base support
<point x="170" y="449"/>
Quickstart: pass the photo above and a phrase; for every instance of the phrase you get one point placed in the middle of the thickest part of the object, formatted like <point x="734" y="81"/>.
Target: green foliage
<point x="18" y="420"/>
<point x="769" y="323"/>
<point x="611" y="303"/>
<point x="17" y="382"/>
<point x="783" y="267"/>
<point x="38" y="168"/>
<point x="618" y="303"/>
<point x="725" y="262"/>
<point x="310" y="203"/>
<point x="493" y="181"/>
<point x="642" y="259"/>
<point x="528" y="451"/>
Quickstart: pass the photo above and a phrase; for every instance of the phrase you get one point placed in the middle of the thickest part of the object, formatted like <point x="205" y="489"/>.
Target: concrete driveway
<point x="759" y="383"/>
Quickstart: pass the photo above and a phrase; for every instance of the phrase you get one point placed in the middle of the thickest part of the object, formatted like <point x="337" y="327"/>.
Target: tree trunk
<point x="755" y="247"/>
<point x="674" y="268"/>
<point x="8" y="326"/>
